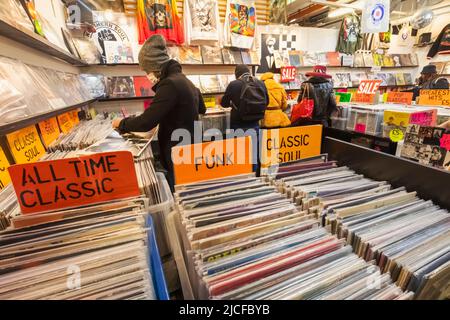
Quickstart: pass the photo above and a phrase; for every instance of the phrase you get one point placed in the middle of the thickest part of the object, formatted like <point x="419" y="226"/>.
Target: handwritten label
<point x="445" y="142"/>
<point x="212" y="160"/>
<point x="290" y="144"/>
<point x="74" y="117"/>
<point x="49" y="131"/>
<point x="363" y="98"/>
<point x="25" y="145"/>
<point x="369" y="86"/>
<point x="399" y="97"/>
<point x="210" y="102"/>
<point x="288" y="74"/>
<point x="65" y="122"/>
<point x="396" y="135"/>
<point x="422" y="118"/>
<point x="435" y="97"/>
<point x="64" y="183"/>
<point x="360" y="127"/>
<point x="4" y="175"/>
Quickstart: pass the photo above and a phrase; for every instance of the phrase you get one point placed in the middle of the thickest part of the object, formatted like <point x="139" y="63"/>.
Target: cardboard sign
<point x="49" y="131"/>
<point x="363" y="98"/>
<point x="422" y="118"/>
<point x="369" y="86"/>
<point x="360" y="127"/>
<point x="435" y="97"/>
<point x="288" y="74"/>
<point x="64" y="183"/>
<point x="210" y="102"/>
<point x="399" y="97"/>
<point x="290" y="144"/>
<point x="74" y="117"/>
<point x="212" y="160"/>
<point x="445" y="142"/>
<point x="25" y="145"/>
<point x="65" y="122"/>
<point x="4" y="175"/>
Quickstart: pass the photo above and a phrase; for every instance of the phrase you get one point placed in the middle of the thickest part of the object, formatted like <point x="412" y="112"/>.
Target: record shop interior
<point x="224" y="150"/>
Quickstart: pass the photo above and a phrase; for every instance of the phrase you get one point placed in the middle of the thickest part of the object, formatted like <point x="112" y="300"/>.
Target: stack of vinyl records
<point x="91" y="252"/>
<point x="8" y="206"/>
<point x="245" y="240"/>
<point x="403" y="235"/>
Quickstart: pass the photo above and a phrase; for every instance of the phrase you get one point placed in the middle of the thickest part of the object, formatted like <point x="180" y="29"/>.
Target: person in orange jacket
<point x="274" y="116"/>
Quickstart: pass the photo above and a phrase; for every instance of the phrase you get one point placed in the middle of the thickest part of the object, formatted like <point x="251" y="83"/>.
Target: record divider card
<point x="72" y="182"/>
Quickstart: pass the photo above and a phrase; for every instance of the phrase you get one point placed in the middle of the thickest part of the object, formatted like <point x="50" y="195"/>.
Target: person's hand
<point x="116" y="123"/>
<point x="445" y="125"/>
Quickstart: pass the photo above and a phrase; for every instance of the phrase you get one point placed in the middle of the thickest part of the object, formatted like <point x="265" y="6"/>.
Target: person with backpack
<point x="248" y="99"/>
<point x="319" y="91"/>
<point x="274" y="116"/>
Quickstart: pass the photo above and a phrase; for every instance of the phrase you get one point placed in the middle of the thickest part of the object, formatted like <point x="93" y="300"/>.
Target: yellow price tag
<point x="210" y="102"/>
<point x="25" y="145"/>
<point x="4" y="175"/>
<point x="49" y="131"/>
<point x="396" y="135"/>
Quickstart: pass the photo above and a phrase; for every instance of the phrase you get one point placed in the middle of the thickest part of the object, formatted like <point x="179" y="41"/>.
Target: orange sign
<point x="212" y="160"/>
<point x="65" y="122"/>
<point x="290" y="144"/>
<point x="49" y="131"/>
<point x="435" y="97"/>
<point x="74" y="117"/>
<point x="64" y="183"/>
<point x="399" y="97"/>
<point x="288" y="74"/>
<point x="4" y="165"/>
<point x="25" y="145"/>
<point x="369" y="86"/>
<point x="363" y="98"/>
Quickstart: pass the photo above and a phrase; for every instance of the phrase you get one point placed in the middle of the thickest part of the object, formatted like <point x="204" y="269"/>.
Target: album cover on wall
<point x="228" y="57"/>
<point x="210" y="83"/>
<point x="237" y="56"/>
<point x="120" y="87"/>
<point x="212" y="55"/>
<point x="295" y="58"/>
<point x="246" y="58"/>
<point x="143" y="87"/>
<point x="118" y="52"/>
<point x="358" y="60"/>
<point x="190" y="55"/>
<point x="333" y="59"/>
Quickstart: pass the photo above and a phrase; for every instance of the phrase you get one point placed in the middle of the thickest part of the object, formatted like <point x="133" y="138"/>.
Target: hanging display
<point x="240" y="23"/>
<point x="201" y="20"/>
<point x="115" y="34"/>
<point x="375" y="16"/>
<point x="159" y="17"/>
<point x="349" y="35"/>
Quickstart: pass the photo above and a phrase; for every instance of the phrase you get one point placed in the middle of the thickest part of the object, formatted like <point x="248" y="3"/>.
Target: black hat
<point x="429" y="69"/>
<point x="240" y="70"/>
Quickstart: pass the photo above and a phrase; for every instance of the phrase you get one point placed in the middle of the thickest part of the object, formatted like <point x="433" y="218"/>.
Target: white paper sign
<point x="375" y="16"/>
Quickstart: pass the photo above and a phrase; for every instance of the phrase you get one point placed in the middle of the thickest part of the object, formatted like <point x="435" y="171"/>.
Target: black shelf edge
<point x="35" y="41"/>
<point x="183" y="65"/>
<point x="335" y="133"/>
<point x="123" y="99"/>
<point x="12" y="127"/>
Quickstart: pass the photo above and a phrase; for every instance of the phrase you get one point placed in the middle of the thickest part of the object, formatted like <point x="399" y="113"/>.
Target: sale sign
<point x="369" y="86"/>
<point x="288" y="74"/>
<point x="65" y="183"/>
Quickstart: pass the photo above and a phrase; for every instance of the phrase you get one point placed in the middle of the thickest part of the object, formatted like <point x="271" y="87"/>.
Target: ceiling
<point x="308" y="13"/>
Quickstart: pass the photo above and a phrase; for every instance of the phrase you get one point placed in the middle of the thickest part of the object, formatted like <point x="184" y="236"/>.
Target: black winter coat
<point x="176" y="105"/>
<point x="321" y="91"/>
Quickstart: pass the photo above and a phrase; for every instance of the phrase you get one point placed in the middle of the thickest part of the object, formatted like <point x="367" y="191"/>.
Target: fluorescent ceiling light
<point x="340" y="12"/>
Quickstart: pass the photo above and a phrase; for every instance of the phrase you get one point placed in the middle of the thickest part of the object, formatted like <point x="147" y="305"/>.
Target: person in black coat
<point x="232" y="98"/>
<point x="176" y="105"/>
<point x="321" y="91"/>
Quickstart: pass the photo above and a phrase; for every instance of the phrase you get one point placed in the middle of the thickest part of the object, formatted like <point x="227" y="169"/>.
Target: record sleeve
<point x="190" y="55"/>
<point x="120" y="87"/>
<point x="211" y="55"/>
<point x="142" y="87"/>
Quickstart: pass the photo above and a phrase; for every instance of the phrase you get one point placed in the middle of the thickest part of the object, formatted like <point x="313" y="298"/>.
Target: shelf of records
<point x="312" y="230"/>
<point x="58" y="43"/>
<point x="380" y="119"/>
<point x="112" y="247"/>
<point x="28" y="91"/>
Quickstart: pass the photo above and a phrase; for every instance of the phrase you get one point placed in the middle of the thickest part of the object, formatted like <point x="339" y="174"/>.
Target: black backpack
<point x="253" y="101"/>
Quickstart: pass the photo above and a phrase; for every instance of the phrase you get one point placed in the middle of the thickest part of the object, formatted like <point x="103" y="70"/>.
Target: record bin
<point x="430" y="183"/>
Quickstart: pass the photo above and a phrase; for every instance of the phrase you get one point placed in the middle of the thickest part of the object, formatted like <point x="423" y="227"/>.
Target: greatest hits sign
<point x="57" y="184"/>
